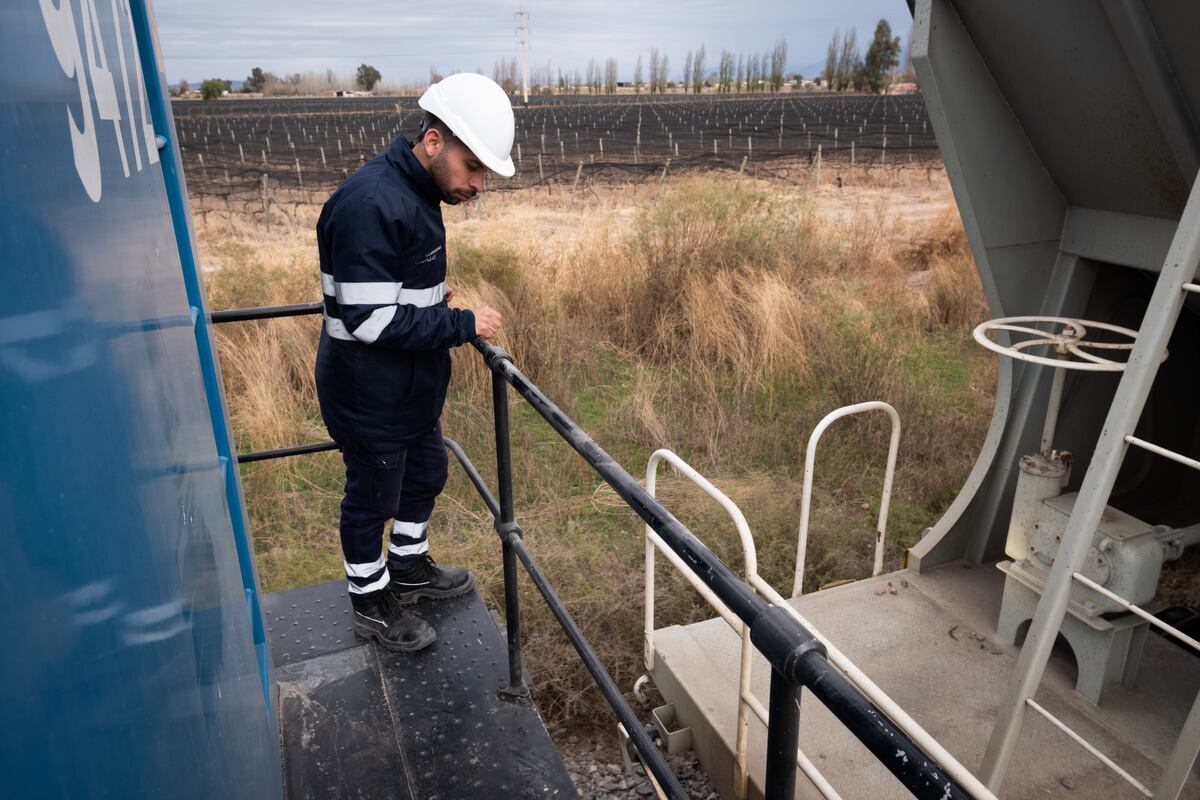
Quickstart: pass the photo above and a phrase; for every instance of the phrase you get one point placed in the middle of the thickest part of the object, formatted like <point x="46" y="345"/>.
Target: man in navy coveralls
<point x="383" y="364"/>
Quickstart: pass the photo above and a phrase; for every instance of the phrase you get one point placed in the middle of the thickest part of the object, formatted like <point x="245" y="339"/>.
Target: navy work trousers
<point x="400" y="485"/>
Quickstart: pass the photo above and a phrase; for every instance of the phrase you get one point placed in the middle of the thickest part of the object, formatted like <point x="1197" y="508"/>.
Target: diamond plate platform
<point x="359" y="721"/>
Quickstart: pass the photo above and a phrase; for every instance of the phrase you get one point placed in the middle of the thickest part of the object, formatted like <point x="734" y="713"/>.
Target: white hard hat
<point x="478" y="112"/>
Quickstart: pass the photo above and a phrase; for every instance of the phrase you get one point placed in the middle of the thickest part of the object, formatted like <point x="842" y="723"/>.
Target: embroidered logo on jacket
<point x="431" y="255"/>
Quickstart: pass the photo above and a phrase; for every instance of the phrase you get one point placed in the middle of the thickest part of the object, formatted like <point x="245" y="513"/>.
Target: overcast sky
<point x="225" y="38"/>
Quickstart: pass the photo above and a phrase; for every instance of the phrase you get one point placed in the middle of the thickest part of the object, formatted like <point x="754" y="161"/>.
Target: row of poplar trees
<point x="756" y="72"/>
<point x="846" y="68"/>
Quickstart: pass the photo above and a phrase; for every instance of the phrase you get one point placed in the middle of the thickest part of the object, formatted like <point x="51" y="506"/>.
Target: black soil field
<point x="314" y="143"/>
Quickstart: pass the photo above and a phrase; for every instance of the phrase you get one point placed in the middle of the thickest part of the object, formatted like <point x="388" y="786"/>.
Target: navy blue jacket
<point x="383" y="363"/>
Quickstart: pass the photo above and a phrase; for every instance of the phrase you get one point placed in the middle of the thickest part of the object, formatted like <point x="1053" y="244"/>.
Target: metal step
<point x="359" y="721"/>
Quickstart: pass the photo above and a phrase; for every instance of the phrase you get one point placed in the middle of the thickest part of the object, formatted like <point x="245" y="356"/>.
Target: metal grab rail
<point x="665" y="782"/>
<point x="1088" y="746"/>
<point x="746" y="700"/>
<point x="796" y="655"/>
<point x="953" y="767"/>
<point x="810" y="460"/>
<point x="511" y="537"/>
<point x="274" y="312"/>
<point x="284" y="452"/>
<point x="267" y="312"/>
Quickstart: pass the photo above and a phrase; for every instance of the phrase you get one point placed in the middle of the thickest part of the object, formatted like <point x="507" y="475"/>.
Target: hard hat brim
<point x="503" y="168"/>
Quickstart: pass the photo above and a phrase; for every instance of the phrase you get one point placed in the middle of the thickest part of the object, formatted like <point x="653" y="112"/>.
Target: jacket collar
<point x="400" y="155"/>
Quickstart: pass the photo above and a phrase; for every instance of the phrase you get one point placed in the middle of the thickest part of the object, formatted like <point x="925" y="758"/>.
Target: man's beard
<point x="437" y="168"/>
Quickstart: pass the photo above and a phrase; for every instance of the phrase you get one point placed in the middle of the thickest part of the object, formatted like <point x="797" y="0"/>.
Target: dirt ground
<point x="914" y="201"/>
<point x="548" y="218"/>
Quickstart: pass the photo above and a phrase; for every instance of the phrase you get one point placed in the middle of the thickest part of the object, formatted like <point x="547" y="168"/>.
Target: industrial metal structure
<point x="1070" y="135"/>
<point x="148" y="663"/>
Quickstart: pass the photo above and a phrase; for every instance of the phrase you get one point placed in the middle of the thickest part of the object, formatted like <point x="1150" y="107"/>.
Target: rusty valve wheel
<point x="1065" y="337"/>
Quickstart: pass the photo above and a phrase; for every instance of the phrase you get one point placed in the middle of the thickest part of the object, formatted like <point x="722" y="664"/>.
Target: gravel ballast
<point x="597" y="778"/>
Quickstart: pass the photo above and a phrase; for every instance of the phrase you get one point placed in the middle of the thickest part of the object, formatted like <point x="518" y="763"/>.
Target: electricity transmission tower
<point x="522" y="30"/>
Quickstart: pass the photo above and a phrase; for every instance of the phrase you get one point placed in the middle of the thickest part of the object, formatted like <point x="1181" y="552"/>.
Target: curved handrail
<point x="810" y="459"/>
<point x="750" y="558"/>
<point x="746" y="698"/>
<point x="735" y="513"/>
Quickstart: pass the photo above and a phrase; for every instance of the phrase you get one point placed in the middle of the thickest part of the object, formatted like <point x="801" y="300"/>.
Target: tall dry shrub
<point x="941" y="255"/>
<point x="700" y="231"/>
<point x="267" y="366"/>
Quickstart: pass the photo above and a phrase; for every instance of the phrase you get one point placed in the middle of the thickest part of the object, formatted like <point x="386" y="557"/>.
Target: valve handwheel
<point x="1065" y="337"/>
<point x="1068" y="349"/>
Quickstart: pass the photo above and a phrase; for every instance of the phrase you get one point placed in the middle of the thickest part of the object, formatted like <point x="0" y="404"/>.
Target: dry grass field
<point x="718" y="316"/>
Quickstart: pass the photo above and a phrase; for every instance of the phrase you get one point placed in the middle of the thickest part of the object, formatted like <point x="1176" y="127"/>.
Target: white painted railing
<point x="1187" y="744"/>
<point x="747" y="702"/>
<point x="810" y="460"/>
<point x="746" y="699"/>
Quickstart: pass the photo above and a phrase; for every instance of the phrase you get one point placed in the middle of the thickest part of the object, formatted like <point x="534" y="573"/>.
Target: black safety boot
<point x="378" y="616"/>
<point x="424" y="577"/>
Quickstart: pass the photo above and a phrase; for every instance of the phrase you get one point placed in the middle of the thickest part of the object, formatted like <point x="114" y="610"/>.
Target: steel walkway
<point x="359" y="721"/>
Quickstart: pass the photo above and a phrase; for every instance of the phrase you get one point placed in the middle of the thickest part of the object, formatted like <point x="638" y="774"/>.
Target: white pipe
<point x="735" y="513"/>
<point x="1164" y="452"/>
<point x="648" y="635"/>
<point x="751" y="564"/>
<point x="699" y="585"/>
<point x="810" y="460"/>
<point x="741" y="777"/>
<point x="1086" y="745"/>
<point x="856" y="676"/>
<point x="1128" y="606"/>
<point x="1052" y="408"/>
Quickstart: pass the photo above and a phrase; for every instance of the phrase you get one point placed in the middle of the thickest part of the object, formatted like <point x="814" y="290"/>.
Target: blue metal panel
<point x="177" y="196"/>
<point x="133" y="668"/>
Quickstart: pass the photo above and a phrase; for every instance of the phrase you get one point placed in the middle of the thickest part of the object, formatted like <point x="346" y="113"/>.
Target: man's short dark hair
<point x="430" y="121"/>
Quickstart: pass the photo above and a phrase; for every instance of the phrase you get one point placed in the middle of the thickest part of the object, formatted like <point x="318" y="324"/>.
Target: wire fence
<point x="248" y="149"/>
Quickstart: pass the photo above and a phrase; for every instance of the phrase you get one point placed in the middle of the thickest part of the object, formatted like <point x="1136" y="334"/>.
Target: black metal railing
<point x="797" y="658"/>
<point x="267" y="312"/>
<point x="275" y="312"/>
